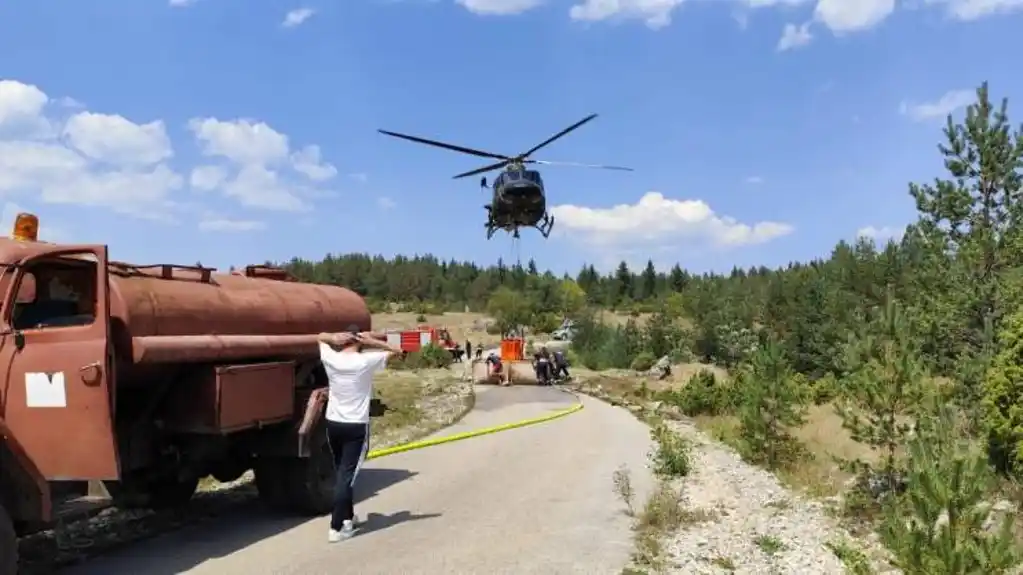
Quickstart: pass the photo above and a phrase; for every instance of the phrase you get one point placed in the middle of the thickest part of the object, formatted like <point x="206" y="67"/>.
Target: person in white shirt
<point x="350" y="360"/>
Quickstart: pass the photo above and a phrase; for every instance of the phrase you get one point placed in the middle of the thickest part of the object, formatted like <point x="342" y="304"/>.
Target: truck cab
<point x="56" y="404"/>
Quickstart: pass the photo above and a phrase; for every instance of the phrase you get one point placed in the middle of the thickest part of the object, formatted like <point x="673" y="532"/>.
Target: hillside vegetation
<point x="913" y="347"/>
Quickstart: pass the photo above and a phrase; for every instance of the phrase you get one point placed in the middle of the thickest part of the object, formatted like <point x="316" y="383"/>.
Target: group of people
<point x="549" y="367"/>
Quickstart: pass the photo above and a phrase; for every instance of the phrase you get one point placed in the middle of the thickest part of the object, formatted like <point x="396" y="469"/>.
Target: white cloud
<point x="180" y="3"/>
<point x="839" y="16"/>
<point x="116" y="140"/>
<point x="949" y="102"/>
<point x="793" y="36"/>
<point x="92" y="158"/>
<point x="297" y="17"/>
<point x="659" y="221"/>
<point x="257" y="187"/>
<point x="309" y="161"/>
<point x="257" y="155"/>
<point x="206" y="178"/>
<point x="499" y="7"/>
<point x="228" y="225"/>
<point x="882" y="234"/>
<point x="845" y="16"/>
<point x="976" y="9"/>
<point x="385" y="203"/>
<point x="655" y="13"/>
<point x="754" y="180"/>
<point x="21" y="110"/>
<point x="243" y="141"/>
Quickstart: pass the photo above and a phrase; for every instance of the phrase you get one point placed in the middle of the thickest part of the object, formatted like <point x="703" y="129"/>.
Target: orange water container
<point x="513" y="349"/>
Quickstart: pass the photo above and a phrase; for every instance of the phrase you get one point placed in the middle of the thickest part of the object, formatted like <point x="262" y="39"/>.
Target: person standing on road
<point x="350" y="359"/>
<point x="468" y="350"/>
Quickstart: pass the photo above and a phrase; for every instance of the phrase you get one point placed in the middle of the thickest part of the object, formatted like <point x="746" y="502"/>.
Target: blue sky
<point x="227" y="132"/>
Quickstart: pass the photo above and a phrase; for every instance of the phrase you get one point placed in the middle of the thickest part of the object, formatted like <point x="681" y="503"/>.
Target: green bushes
<point x="601" y="346"/>
<point x="643" y="361"/>
<point x="704" y="394"/>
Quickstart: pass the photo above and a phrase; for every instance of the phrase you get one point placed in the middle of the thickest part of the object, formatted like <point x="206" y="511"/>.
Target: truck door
<point x="59" y="398"/>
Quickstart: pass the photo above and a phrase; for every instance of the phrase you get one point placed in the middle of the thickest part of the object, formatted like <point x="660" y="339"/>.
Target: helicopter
<point x="519" y="198"/>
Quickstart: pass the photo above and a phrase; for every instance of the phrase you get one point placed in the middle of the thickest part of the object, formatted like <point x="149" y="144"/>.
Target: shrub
<point x="702" y="395"/>
<point x="643" y="362"/>
<point x="770" y="403"/>
<point x="672" y="456"/>
<point x="944" y="523"/>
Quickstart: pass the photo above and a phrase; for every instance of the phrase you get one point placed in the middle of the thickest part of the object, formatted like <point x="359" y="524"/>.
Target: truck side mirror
<point x="19" y="340"/>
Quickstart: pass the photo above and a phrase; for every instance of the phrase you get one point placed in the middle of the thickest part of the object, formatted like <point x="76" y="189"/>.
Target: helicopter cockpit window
<point x="56" y="294"/>
<point x="513" y="176"/>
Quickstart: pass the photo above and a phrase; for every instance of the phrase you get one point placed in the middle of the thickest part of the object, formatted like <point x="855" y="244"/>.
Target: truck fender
<point x="24" y="491"/>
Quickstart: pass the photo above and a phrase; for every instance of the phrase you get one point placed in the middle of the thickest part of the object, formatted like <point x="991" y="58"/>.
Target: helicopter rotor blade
<point x="490" y="168"/>
<point x="578" y="165"/>
<point x="546" y="142"/>
<point x="452" y="147"/>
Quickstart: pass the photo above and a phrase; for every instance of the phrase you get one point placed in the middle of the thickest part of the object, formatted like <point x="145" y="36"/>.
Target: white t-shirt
<point x="351" y="382"/>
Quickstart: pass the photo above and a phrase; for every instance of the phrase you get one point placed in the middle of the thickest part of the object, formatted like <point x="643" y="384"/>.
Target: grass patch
<point x="822" y="439"/>
<point x="769" y="544"/>
<point x="401" y="393"/>
<point x="855" y="562"/>
<point x="663" y="514"/>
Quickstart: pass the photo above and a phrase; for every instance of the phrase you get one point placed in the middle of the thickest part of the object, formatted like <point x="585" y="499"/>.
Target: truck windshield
<point x="52" y="293"/>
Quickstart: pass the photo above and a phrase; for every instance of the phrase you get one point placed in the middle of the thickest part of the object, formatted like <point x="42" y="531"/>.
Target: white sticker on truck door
<point x="45" y="390"/>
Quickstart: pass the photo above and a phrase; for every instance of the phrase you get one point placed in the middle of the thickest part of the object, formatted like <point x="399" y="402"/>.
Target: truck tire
<point x="302" y="485"/>
<point x="8" y="545"/>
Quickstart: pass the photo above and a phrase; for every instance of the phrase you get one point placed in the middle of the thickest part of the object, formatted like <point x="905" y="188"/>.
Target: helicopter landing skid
<point x="545" y="225"/>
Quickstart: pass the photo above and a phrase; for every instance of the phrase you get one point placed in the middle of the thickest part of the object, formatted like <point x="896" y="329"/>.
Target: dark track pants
<point x="349" y="443"/>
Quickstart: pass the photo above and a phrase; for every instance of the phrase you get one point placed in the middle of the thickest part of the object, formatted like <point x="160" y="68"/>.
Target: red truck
<point x="150" y="377"/>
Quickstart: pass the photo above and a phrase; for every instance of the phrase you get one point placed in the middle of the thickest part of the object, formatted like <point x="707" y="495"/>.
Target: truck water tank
<point x="163" y="314"/>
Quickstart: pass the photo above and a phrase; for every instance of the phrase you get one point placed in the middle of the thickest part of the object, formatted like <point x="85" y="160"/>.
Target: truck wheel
<point x="8" y="545"/>
<point x="162" y="493"/>
<point x="303" y="485"/>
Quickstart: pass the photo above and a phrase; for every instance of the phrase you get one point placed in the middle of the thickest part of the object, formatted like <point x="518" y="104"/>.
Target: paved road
<point x="537" y="500"/>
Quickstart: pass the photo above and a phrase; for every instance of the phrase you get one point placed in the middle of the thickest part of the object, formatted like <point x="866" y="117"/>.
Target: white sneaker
<point x="348" y="530"/>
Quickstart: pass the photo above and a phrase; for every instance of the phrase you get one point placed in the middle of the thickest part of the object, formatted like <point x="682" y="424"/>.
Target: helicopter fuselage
<point x="518" y="201"/>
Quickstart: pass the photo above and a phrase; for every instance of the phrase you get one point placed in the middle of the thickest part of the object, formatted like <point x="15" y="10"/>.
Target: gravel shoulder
<point x="532" y="500"/>
<point x="748" y="522"/>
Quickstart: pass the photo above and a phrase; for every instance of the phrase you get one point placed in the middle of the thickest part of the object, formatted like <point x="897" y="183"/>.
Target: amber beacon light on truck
<point x="26" y="228"/>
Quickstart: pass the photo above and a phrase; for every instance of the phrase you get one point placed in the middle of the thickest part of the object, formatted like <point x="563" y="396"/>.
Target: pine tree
<point x="943" y="525"/>
<point x="883" y="386"/>
<point x="771" y="403"/>
<point x="976" y="215"/>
